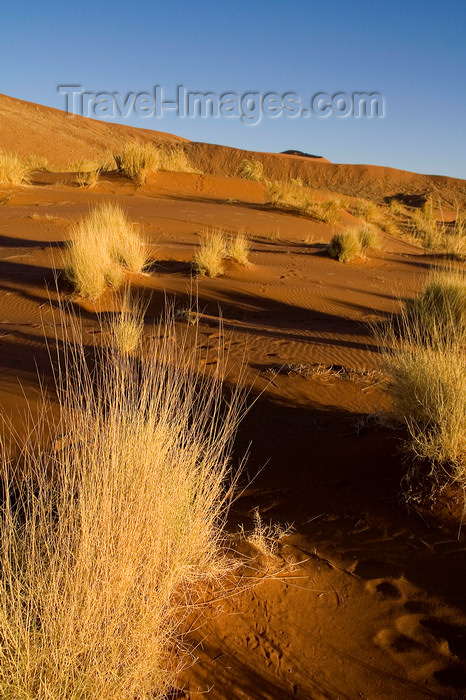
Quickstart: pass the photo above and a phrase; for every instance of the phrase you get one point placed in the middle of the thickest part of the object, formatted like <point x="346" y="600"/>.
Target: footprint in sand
<point x="428" y="648"/>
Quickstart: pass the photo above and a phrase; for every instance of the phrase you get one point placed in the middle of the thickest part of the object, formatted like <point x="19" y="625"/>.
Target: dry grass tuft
<point x="266" y="538"/>
<point x="251" y="169"/>
<point x="100" y="243"/>
<point x="209" y="259"/>
<point x="175" y="159"/>
<point x="87" y="262"/>
<point x="345" y="246"/>
<point x="37" y="163"/>
<point x="375" y="215"/>
<point x="368" y="236"/>
<point x="13" y="170"/>
<point x="238" y="248"/>
<point x="127" y="327"/>
<point x="424" y="356"/>
<point x="303" y="201"/>
<point x="88" y="179"/>
<point x="112" y="535"/>
<point x="136" y="160"/>
<point x="440" y="310"/>
<point x="122" y="239"/>
<point x="397" y="208"/>
<point x="423" y="225"/>
<point x="272" y="235"/>
<point x="428" y="388"/>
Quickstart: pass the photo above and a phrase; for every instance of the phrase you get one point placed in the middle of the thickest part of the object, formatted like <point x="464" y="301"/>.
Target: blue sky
<point x="412" y="52"/>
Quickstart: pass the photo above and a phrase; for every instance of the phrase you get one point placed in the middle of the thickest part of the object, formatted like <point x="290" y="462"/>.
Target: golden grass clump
<point x="369" y="237"/>
<point x="127" y="326"/>
<point x="14" y="170"/>
<point x="37" y="162"/>
<point x="81" y="165"/>
<point x="375" y="215"/>
<point x="266" y="538"/>
<point x="327" y="212"/>
<point x="109" y="536"/>
<point x="123" y="241"/>
<point x="440" y="310"/>
<point x="368" y="210"/>
<point x="136" y="160"/>
<point x="100" y="244"/>
<point x="397" y="208"/>
<point x="88" y="179"/>
<point x="427" y="373"/>
<point x="424" y="226"/>
<point x="345" y="246"/>
<point x="454" y="238"/>
<point x="88" y="265"/>
<point x="238" y="248"/>
<point x="251" y="169"/>
<point x="209" y="259"/>
<point x="175" y="159"/>
<point x="303" y="200"/>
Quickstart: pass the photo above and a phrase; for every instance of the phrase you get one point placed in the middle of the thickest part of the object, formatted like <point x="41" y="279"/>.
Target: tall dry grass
<point x="111" y="536"/>
<point x="175" y="159"/>
<point x="440" y="310"/>
<point x="238" y="248"/>
<point x="375" y="215"/>
<point x="14" y="170"/>
<point x="125" y="331"/>
<point x="345" y="246"/>
<point x="136" y="160"/>
<point x="424" y="356"/>
<point x="297" y="198"/>
<point x="368" y="236"/>
<point x="100" y="244"/>
<point x="209" y="259"/>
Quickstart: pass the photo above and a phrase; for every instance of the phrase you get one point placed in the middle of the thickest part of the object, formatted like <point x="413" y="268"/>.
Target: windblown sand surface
<point x="367" y="600"/>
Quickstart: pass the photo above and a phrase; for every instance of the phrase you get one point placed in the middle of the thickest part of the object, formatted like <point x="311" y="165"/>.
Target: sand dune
<point x="367" y="600"/>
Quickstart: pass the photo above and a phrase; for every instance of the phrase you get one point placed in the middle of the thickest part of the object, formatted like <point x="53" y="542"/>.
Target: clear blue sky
<point x="412" y="52"/>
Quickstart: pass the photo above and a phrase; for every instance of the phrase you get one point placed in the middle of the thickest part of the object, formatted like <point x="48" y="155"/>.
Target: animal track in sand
<point x="427" y="647"/>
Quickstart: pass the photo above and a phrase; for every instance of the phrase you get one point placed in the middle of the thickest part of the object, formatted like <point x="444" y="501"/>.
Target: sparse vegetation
<point x="397" y="208"/>
<point x="455" y="237"/>
<point x="136" y="160"/>
<point x="238" y="248"/>
<point x="424" y="358"/>
<point x="14" y="171"/>
<point x="37" y="162"/>
<point x="112" y="534"/>
<point x="428" y="389"/>
<point x="126" y="328"/>
<point x="123" y="241"/>
<point x="303" y="200"/>
<point x="345" y="246"/>
<point x="423" y="225"/>
<point x="251" y="169"/>
<point x="440" y="310"/>
<point x="368" y="236"/>
<point x="88" y="179"/>
<point x="374" y="215"/>
<point x="176" y="159"/>
<point x="266" y="538"/>
<point x="209" y="259"/>
<point x="99" y="244"/>
<point x="218" y="247"/>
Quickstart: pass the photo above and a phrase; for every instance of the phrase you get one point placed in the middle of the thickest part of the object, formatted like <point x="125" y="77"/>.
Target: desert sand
<point x="366" y="599"/>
